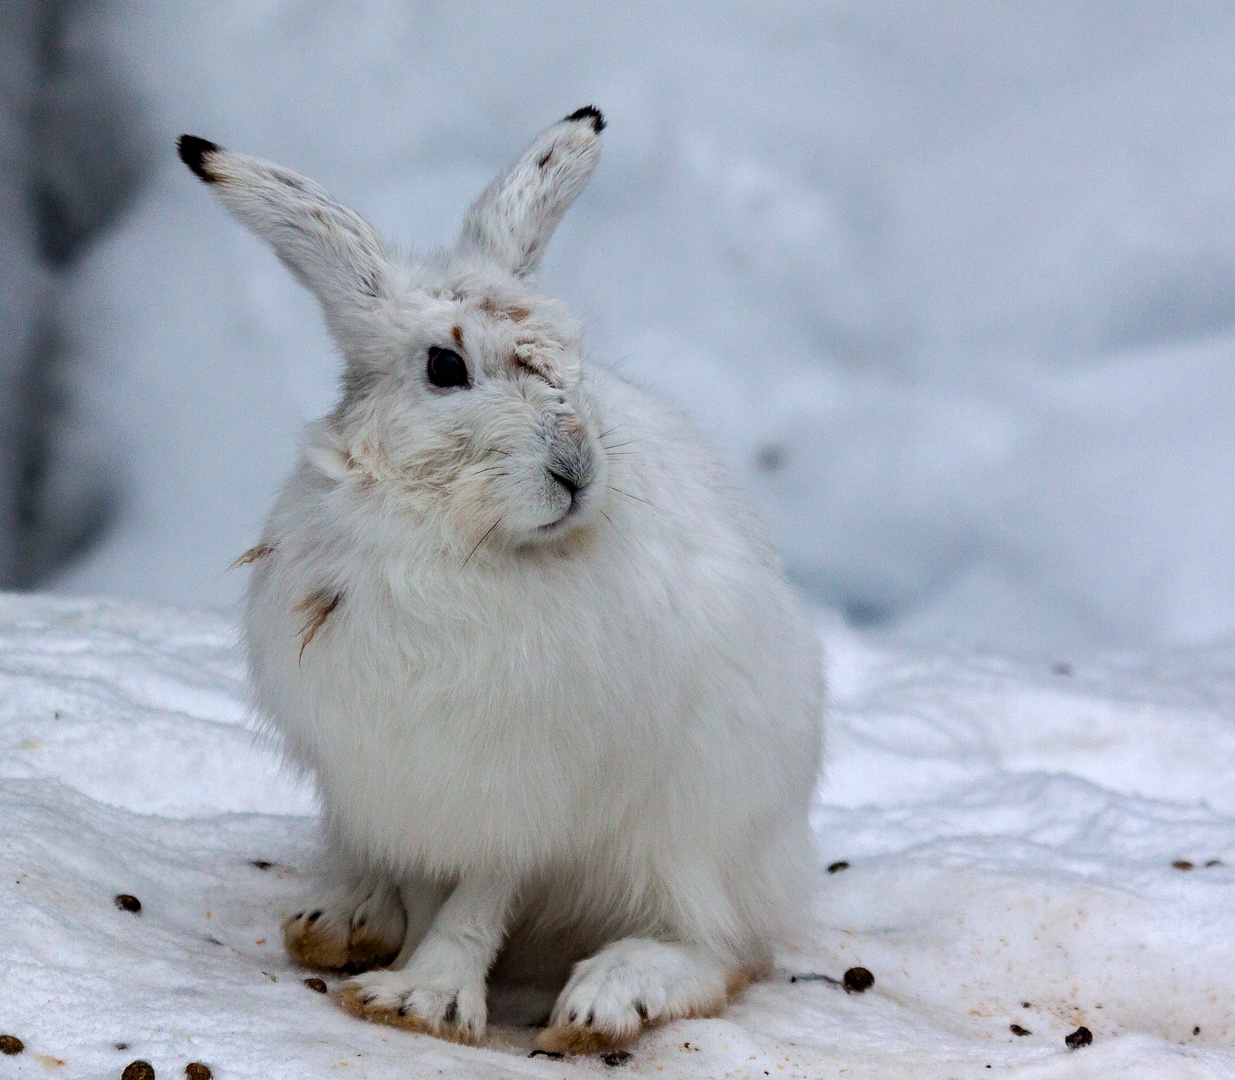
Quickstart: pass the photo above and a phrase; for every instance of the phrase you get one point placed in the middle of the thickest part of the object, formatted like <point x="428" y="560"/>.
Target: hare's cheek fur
<point x="562" y="710"/>
<point x="515" y="462"/>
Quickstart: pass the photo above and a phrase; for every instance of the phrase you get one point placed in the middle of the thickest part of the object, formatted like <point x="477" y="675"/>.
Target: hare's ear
<point x="513" y="219"/>
<point x="334" y="252"/>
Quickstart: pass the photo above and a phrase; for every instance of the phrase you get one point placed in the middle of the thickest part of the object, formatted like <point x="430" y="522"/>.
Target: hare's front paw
<point x="632" y="984"/>
<point x="456" y="1013"/>
<point x="352" y="928"/>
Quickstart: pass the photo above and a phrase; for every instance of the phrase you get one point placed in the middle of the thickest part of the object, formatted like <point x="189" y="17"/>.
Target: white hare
<point x="562" y="710"/>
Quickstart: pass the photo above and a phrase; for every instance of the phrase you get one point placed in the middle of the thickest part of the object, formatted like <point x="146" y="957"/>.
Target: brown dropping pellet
<point x="11" y="1044"/>
<point x="195" y="1070"/>
<point x="1182" y="864"/>
<point x="857" y="980"/>
<point x="316" y="984"/>
<point x="1213" y="862"/>
<point x="261" y="864"/>
<point x="125" y="902"/>
<point x="1026" y="1005"/>
<point x="1082" y="1036"/>
<point x="552" y="1055"/>
<point x="138" y="1070"/>
<point x="836" y="867"/>
<point x="1196" y="1030"/>
<point x="616" y="1057"/>
<point x="1016" y="1029"/>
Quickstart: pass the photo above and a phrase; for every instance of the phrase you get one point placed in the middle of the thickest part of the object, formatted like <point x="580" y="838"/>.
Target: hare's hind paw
<point x="352" y="929"/>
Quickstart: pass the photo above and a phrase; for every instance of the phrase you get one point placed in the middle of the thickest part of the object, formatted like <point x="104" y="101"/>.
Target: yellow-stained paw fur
<point x="583" y="1039"/>
<point x="324" y="946"/>
<point x="352" y="998"/>
<point x="584" y="1036"/>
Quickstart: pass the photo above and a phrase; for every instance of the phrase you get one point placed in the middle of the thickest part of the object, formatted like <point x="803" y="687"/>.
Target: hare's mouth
<point x="578" y="489"/>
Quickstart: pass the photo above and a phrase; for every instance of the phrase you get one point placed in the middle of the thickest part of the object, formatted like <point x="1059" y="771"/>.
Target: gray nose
<point x="570" y="483"/>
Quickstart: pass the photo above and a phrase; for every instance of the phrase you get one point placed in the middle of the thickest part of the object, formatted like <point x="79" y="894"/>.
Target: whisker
<point x="624" y="534"/>
<point x="623" y="423"/>
<point x="618" y="446"/>
<point x="637" y="498"/>
<point x="478" y="543"/>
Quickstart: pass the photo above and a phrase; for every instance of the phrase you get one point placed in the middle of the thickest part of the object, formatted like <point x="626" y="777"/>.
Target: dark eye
<point x="446" y="368"/>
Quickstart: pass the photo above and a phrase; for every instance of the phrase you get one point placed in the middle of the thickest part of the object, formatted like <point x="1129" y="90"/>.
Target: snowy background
<point x="1014" y="832"/>
<point x="950" y="285"/>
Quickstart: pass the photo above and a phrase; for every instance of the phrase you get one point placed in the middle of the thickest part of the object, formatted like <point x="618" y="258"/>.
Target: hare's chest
<point x="437" y="745"/>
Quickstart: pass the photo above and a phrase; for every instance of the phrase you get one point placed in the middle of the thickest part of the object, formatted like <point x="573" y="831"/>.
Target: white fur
<point x="594" y="719"/>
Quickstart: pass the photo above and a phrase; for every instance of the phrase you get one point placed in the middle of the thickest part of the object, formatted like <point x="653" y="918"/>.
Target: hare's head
<point x="464" y="400"/>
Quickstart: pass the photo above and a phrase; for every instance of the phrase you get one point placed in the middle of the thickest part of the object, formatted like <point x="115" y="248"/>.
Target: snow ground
<point x="1010" y="830"/>
<point x="951" y="286"/>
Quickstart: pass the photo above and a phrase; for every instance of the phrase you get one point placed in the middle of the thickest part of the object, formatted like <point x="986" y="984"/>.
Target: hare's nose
<point x="570" y="483"/>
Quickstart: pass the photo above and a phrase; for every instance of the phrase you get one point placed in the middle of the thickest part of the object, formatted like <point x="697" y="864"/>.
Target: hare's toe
<point x="316" y="940"/>
<point x="632" y="984"/>
<point x="352" y="931"/>
<point x="457" y="1014"/>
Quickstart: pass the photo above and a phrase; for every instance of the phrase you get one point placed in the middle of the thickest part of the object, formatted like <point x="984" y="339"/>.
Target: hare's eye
<point x="446" y="368"/>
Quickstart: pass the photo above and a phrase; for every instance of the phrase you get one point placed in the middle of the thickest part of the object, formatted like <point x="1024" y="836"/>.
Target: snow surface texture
<point x="951" y="285"/>
<point x="1010" y="831"/>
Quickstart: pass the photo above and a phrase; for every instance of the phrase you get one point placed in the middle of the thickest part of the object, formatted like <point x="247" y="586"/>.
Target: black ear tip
<point x="192" y="150"/>
<point x="589" y="112"/>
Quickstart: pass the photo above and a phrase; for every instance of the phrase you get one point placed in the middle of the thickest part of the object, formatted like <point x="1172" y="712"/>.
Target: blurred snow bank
<point x="1024" y="844"/>
<point x="951" y="286"/>
<point x="71" y="160"/>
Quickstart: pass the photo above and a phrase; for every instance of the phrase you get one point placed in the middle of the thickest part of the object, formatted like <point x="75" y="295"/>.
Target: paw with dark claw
<point x="350" y="930"/>
<point x="631" y="985"/>
<point x="391" y="997"/>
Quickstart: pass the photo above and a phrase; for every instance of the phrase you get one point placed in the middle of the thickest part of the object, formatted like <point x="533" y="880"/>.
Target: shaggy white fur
<point x="525" y="634"/>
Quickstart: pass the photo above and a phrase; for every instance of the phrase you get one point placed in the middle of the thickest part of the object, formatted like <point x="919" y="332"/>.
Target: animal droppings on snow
<point x="1082" y="1036"/>
<point x="1182" y="864"/>
<point x="11" y="1044"/>
<point x="984" y="878"/>
<point x="261" y="864"/>
<point x="316" y="984"/>
<point x="858" y="980"/>
<point x="616" y="1057"/>
<point x="1213" y="862"/>
<point x="1016" y="1029"/>
<point x="552" y="1055"/>
<point x="138" y="1070"/>
<point x="196" y="1070"/>
<point x="836" y="867"/>
<point x="125" y="902"/>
